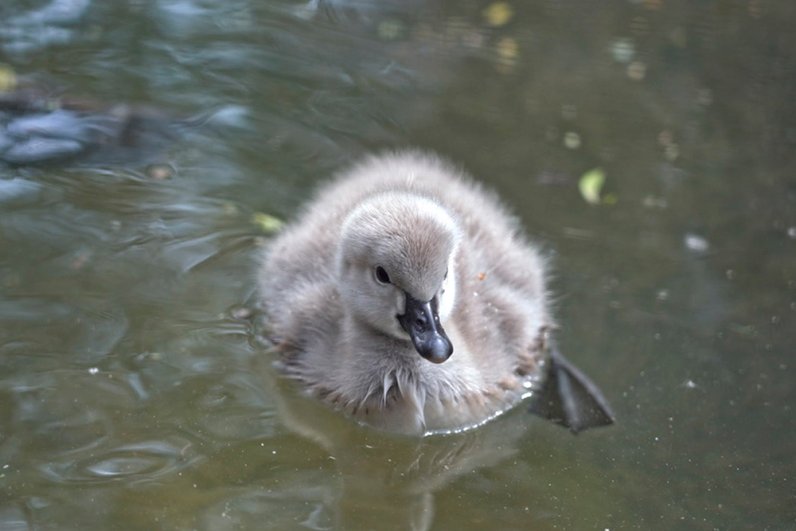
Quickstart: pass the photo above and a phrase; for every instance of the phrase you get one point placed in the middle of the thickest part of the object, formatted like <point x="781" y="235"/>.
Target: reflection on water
<point x="133" y="391"/>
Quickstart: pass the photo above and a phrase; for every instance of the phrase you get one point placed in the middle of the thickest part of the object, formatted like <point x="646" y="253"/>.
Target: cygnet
<point x="406" y="296"/>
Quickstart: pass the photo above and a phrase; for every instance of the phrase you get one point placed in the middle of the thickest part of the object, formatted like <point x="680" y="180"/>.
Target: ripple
<point x="65" y="415"/>
<point x="34" y="30"/>
<point x="122" y="466"/>
<point x="18" y="190"/>
<point x="303" y="499"/>
<point x="145" y="461"/>
<point x="236" y="409"/>
<point x="89" y="330"/>
<point x="13" y="518"/>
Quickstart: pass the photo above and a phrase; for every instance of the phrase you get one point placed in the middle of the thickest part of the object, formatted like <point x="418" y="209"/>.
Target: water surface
<point x="134" y="393"/>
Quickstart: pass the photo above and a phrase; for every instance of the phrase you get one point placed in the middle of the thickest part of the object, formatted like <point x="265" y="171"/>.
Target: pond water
<point x="134" y="393"/>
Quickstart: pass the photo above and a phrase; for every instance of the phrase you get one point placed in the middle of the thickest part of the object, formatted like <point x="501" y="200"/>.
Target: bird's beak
<point x="421" y="321"/>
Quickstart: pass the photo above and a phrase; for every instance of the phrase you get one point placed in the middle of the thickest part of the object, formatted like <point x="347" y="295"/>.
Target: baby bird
<point x="407" y="297"/>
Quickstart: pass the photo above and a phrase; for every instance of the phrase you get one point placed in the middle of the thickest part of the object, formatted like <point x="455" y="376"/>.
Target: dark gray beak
<point x="421" y="322"/>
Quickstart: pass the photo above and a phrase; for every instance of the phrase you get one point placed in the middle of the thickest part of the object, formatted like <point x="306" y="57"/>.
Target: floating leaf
<point x="267" y="222"/>
<point x="8" y="79"/>
<point x="591" y="185"/>
<point x="498" y="14"/>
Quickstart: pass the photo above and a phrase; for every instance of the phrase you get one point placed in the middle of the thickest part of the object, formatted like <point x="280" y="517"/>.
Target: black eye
<point x="382" y="276"/>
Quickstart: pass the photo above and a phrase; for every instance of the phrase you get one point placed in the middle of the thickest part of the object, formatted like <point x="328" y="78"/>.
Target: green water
<point x="135" y="395"/>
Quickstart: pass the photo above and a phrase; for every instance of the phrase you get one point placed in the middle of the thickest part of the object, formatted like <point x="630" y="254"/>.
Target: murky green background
<point x="135" y="395"/>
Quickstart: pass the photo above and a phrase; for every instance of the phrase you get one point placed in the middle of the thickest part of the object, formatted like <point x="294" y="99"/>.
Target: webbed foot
<point x="569" y="398"/>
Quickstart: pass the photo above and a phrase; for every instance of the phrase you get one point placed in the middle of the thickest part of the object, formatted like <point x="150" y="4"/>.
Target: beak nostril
<point x="421" y="322"/>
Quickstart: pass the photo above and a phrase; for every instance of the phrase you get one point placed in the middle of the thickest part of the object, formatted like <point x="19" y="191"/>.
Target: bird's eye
<point x="381" y="275"/>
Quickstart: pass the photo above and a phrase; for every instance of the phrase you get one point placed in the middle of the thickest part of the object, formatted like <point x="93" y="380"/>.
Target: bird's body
<point x="396" y="263"/>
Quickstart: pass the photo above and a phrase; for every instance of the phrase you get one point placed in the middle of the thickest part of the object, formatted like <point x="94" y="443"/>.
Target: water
<point x="133" y="392"/>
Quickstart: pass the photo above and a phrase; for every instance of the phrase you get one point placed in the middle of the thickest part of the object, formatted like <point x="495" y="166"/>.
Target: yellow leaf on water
<point x="8" y="78"/>
<point x="591" y="185"/>
<point x="267" y="222"/>
<point x="498" y="14"/>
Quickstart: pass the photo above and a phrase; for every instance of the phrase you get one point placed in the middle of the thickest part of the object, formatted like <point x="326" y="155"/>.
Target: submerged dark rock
<point x="37" y="129"/>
